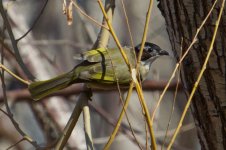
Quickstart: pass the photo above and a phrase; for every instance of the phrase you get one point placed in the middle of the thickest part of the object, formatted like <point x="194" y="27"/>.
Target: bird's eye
<point x="148" y="48"/>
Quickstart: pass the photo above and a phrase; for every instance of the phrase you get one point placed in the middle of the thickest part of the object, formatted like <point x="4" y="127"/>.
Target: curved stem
<point x="199" y="77"/>
<point x="14" y="43"/>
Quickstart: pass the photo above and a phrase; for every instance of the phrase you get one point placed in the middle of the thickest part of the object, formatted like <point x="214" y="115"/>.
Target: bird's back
<point x="105" y="66"/>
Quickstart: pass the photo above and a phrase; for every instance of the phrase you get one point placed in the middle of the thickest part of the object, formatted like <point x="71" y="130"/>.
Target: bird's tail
<point x="40" y="89"/>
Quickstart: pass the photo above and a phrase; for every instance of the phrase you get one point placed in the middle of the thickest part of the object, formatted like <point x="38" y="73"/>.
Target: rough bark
<point x="183" y="17"/>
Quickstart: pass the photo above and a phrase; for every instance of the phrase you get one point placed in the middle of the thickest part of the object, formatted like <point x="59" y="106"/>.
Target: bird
<point x="100" y="68"/>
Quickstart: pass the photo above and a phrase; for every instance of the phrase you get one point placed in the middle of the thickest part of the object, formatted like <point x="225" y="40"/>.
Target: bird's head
<point x="150" y="52"/>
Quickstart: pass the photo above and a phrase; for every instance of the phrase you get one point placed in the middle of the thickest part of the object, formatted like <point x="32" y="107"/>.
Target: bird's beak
<point x="163" y="52"/>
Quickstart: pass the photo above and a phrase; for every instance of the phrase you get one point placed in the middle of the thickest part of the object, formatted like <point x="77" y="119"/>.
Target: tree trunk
<point x="183" y="17"/>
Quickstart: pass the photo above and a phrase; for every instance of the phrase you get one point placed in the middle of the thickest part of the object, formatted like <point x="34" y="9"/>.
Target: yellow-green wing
<point x="109" y="67"/>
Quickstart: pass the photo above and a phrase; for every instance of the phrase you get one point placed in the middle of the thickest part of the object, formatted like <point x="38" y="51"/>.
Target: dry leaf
<point x="70" y="14"/>
<point x="64" y="7"/>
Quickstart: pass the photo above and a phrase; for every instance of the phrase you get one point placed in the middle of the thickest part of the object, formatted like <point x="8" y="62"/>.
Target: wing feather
<point x="92" y="55"/>
<point x="107" y="68"/>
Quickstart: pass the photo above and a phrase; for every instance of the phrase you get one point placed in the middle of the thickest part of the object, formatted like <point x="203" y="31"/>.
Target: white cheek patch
<point x="147" y="66"/>
<point x="144" y="69"/>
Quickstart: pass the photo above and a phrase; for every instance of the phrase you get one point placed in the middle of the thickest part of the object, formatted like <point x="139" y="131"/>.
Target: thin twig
<point x="9" y="113"/>
<point x="146" y="135"/>
<point x="71" y="123"/>
<point x="108" y="118"/>
<point x="14" y="43"/>
<point x="137" y="84"/>
<point x="174" y="100"/>
<point x="111" y="30"/>
<point x="145" y="32"/>
<point x="87" y="125"/>
<point x="128" y="26"/>
<point x="104" y="35"/>
<point x="14" y="75"/>
<point x="112" y="137"/>
<point x="25" y="138"/>
<point x="133" y="75"/>
<point x="123" y="105"/>
<point x="88" y="17"/>
<point x="22" y="94"/>
<point x="181" y="60"/>
<point x="34" y="23"/>
<point x="199" y="77"/>
<point x="3" y="44"/>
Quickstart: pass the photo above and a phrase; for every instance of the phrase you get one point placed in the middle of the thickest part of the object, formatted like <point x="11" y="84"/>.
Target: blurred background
<point x="48" y="50"/>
